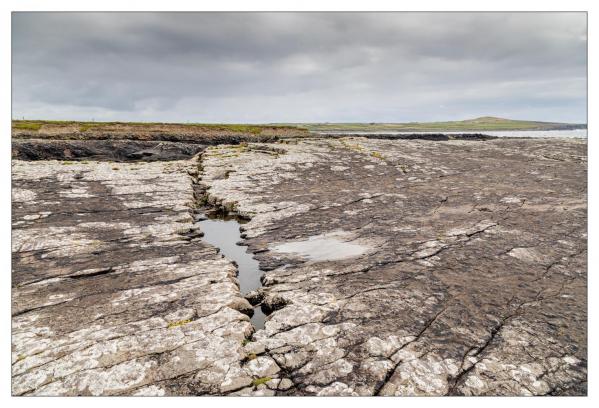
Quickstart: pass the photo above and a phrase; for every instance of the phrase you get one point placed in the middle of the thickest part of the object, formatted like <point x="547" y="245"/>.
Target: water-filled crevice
<point x="221" y="228"/>
<point x="222" y="231"/>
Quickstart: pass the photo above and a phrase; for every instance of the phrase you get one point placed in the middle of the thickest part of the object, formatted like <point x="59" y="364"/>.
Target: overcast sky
<point x="294" y="67"/>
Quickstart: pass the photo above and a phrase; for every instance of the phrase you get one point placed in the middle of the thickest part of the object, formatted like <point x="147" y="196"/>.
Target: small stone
<point x="235" y="383"/>
<point x="285" y="384"/>
<point x="262" y="367"/>
<point x="241" y="305"/>
<point x="254" y="297"/>
<point x="264" y="393"/>
<point x="244" y="392"/>
<point x="254" y="347"/>
<point x="273" y="384"/>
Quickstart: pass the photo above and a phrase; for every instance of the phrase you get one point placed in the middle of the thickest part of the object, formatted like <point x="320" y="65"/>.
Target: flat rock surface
<point x="393" y="268"/>
<point x="454" y="267"/>
<point x="112" y="292"/>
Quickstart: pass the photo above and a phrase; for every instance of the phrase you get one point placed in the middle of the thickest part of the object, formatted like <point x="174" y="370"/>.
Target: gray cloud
<point x="297" y="67"/>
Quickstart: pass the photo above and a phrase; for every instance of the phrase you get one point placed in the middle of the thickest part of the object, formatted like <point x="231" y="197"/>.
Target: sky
<point x="299" y="67"/>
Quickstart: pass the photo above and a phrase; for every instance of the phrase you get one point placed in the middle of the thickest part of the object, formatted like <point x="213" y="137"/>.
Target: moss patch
<point x="258" y="381"/>
<point x="23" y="125"/>
<point x="377" y="155"/>
<point x="179" y="323"/>
<point x="87" y="126"/>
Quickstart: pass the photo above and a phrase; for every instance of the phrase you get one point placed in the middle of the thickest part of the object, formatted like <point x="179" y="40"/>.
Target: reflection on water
<point x="223" y="233"/>
<point x="325" y="247"/>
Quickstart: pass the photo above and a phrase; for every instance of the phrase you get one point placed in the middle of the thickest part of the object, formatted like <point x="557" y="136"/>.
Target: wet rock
<point x="241" y="305"/>
<point x="254" y="297"/>
<point x="324" y="247"/>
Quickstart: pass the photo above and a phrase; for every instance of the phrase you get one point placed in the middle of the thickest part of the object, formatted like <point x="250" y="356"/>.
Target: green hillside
<point x="485" y="123"/>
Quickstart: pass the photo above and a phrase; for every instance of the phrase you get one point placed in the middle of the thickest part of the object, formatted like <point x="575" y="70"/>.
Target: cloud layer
<point x="299" y="67"/>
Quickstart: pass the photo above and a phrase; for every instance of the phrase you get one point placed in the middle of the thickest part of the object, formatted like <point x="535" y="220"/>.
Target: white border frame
<point x="294" y="5"/>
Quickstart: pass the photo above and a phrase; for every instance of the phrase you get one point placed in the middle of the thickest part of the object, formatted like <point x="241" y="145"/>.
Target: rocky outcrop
<point x="392" y="268"/>
<point x="437" y="137"/>
<point x="472" y="278"/>
<point x="104" y="150"/>
<point x="113" y="291"/>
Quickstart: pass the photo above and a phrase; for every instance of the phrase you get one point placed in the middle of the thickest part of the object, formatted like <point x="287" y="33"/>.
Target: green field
<point x="36" y="125"/>
<point x="487" y="123"/>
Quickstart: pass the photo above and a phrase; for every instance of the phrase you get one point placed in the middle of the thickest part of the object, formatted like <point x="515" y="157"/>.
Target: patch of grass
<point x="81" y="130"/>
<point x="377" y="155"/>
<point x="235" y="128"/>
<point x="179" y="323"/>
<point x="84" y="127"/>
<point x="242" y="128"/>
<point x="257" y="381"/>
<point x="23" y="125"/>
<point x="66" y="163"/>
<point x="352" y="146"/>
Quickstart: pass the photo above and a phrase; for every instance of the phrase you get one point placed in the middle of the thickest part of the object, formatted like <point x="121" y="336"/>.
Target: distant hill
<point x="484" y="123"/>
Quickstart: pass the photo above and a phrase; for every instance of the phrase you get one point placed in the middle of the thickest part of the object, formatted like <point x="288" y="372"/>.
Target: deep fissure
<point x="221" y="228"/>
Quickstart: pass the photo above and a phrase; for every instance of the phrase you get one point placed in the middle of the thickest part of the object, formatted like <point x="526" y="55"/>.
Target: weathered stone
<point x="440" y="268"/>
<point x="235" y="383"/>
<point x="285" y="384"/>
<point x="254" y="348"/>
<point x="109" y="297"/>
<point x="254" y="297"/>
<point x="474" y="267"/>
<point x="262" y="367"/>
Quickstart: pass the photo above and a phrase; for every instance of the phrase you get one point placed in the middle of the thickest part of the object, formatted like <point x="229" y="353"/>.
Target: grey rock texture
<point x="112" y="293"/>
<point x="115" y="150"/>
<point x="473" y="279"/>
<point x="392" y="268"/>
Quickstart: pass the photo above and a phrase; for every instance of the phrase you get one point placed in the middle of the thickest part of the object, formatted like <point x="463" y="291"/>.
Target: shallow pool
<point x="223" y="233"/>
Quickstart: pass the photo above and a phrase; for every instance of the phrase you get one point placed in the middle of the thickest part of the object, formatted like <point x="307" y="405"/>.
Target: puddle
<point x="324" y="247"/>
<point x="223" y="233"/>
